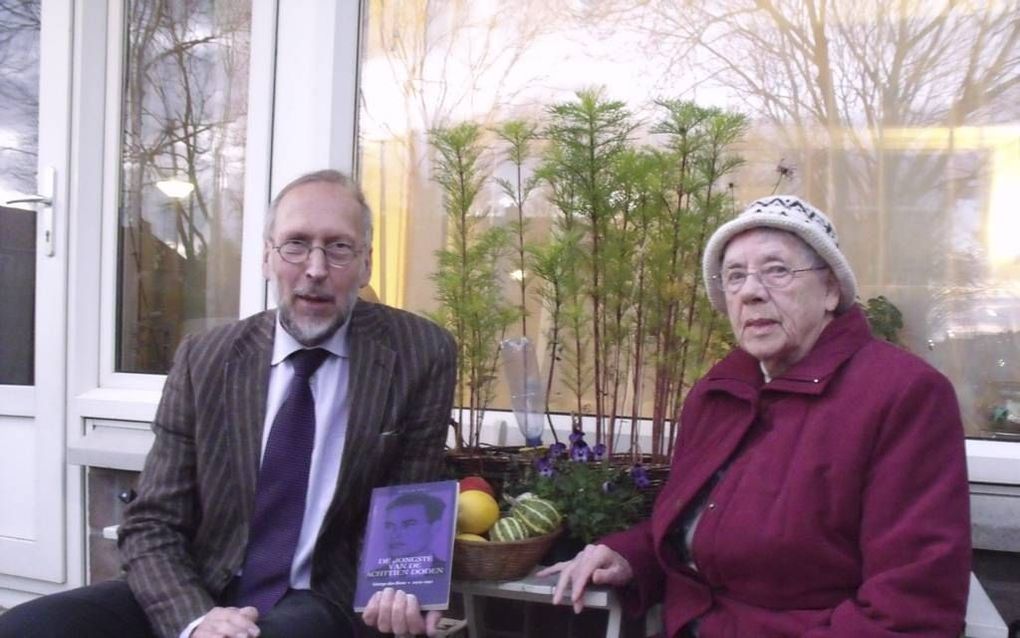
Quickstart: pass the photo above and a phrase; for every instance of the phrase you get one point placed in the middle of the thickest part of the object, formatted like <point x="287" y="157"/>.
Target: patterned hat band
<point x="788" y="206"/>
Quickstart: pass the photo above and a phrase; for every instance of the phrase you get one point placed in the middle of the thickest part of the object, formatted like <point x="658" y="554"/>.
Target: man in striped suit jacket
<point x="184" y="538"/>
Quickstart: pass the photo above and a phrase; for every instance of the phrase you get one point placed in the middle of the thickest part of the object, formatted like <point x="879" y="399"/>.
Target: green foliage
<point x="627" y="321"/>
<point x="595" y="498"/>
<point x="588" y="137"/>
<point x="518" y="135"/>
<point x="634" y="311"/>
<point x="553" y="263"/>
<point x="885" y="319"/>
<point x="684" y="334"/>
<point x="468" y="275"/>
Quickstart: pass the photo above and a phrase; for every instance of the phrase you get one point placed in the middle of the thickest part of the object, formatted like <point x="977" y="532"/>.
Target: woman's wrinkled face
<point x="778" y="326"/>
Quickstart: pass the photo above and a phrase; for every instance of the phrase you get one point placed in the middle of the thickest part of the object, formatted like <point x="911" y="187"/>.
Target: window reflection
<point x="182" y="174"/>
<point x="19" y="149"/>
<point x="902" y="123"/>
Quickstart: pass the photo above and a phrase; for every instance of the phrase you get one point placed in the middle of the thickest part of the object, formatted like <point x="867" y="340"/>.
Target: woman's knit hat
<point x="794" y="215"/>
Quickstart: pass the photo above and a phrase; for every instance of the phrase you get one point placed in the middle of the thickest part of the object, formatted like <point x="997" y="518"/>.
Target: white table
<point x="535" y="589"/>
<point x="983" y="620"/>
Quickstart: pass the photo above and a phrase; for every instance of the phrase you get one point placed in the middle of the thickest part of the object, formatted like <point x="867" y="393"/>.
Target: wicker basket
<point x="475" y="560"/>
<point x="499" y="465"/>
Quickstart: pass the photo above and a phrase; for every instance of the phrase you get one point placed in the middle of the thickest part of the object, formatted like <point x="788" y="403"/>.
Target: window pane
<point x="903" y="125"/>
<point x="19" y="147"/>
<point x="182" y="174"/>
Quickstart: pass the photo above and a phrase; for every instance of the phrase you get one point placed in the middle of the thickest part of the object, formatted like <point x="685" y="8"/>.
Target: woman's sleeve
<point x="915" y="522"/>
<point x="635" y="545"/>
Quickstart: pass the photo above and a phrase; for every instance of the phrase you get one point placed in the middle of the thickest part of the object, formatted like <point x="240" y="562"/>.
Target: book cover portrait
<point x="409" y="543"/>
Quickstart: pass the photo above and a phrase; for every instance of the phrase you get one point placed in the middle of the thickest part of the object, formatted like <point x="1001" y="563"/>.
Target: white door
<point x="35" y="82"/>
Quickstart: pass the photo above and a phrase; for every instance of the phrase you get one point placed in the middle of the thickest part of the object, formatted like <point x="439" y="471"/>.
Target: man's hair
<point x="327" y="176"/>
<point x="433" y="505"/>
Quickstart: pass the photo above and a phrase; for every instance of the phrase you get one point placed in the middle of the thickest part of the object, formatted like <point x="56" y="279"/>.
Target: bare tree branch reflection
<point x="891" y="113"/>
<point x="19" y="94"/>
<point x="184" y="119"/>
<point x="898" y="118"/>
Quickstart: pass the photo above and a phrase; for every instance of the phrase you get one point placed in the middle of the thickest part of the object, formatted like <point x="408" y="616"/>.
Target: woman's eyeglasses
<point x="775" y="276"/>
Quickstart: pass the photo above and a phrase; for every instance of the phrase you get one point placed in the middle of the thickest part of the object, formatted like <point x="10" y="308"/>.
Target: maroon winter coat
<point x="844" y="511"/>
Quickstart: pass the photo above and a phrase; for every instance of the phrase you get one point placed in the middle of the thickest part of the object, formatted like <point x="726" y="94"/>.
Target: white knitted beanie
<point x="792" y="214"/>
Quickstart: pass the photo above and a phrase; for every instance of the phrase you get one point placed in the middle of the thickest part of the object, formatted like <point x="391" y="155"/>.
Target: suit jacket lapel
<point x="247" y="385"/>
<point x="370" y="370"/>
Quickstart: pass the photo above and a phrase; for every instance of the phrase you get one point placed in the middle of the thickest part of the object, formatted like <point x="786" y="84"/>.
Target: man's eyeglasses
<point x="338" y="254"/>
<point x="776" y="276"/>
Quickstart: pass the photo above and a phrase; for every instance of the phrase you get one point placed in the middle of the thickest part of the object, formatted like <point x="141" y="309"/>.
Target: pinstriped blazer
<point x="184" y="536"/>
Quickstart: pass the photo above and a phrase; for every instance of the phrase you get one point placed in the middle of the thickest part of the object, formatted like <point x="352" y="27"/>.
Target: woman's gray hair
<point x="326" y="176"/>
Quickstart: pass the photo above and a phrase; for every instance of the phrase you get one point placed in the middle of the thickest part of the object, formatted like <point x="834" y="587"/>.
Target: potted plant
<point x="627" y="328"/>
<point x="885" y="319"/>
<point x="468" y="279"/>
<point x="594" y="496"/>
<point x="621" y="274"/>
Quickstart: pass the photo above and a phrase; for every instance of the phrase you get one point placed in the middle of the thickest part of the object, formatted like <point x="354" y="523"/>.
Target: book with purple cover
<point x="409" y="543"/>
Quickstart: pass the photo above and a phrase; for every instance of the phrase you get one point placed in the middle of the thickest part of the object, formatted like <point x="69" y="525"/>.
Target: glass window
<point x="19" y="149"/>
<point x="903" y="124"/>
<point x="182" y="174"/>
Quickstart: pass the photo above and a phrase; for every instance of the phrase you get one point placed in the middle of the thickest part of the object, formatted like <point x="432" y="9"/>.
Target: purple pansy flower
<point x="545" y="467"/>
<point x="556" y="450"/>
<point x="640" y="476"/>
<point x="580" y="452"/>
<point x="576" y="436"/>
<point x="599" y="451"/>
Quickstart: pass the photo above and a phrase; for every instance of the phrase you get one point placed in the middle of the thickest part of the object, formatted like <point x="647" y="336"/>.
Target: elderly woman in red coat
<point x="819" y="483"/>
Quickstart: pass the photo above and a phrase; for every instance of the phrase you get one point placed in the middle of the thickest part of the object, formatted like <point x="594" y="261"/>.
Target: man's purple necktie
<point x="281" y="491"/>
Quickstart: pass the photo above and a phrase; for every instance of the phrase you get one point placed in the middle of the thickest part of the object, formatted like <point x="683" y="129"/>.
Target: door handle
<point x="47" y="187"/>
<point x="31" y="199"/>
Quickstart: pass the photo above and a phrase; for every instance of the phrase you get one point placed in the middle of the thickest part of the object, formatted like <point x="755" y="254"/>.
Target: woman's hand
<point x="398" y="613"/>
<point x="595" y="563"/>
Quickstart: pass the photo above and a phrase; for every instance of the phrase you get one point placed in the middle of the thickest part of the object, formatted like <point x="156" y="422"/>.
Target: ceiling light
<point x="175" y="188"/>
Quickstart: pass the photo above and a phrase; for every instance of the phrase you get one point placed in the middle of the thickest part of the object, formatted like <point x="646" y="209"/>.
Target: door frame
<point x="41" y="559"/>
<point x="109" y="413"/>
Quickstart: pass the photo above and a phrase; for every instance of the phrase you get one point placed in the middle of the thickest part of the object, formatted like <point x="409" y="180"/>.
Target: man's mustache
<point x="314" y="293"/>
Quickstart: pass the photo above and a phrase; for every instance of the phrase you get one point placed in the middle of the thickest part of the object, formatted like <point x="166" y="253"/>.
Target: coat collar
<point x="844" y="336"/>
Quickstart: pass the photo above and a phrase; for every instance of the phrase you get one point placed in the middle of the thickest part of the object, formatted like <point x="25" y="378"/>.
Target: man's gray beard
<point x="311" y="333"/>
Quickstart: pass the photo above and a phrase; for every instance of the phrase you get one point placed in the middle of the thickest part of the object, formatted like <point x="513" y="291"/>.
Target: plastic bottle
<point x="527" y="394"/>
